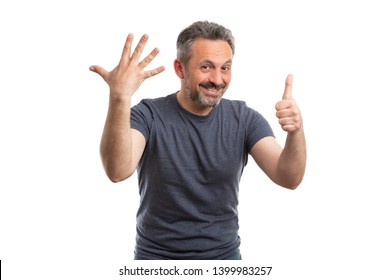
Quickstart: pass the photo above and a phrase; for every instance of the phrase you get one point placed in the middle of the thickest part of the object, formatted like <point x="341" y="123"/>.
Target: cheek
<point x="196" y="79"/>
<point x="191" y="83"/>
<point x="227" y="78"/>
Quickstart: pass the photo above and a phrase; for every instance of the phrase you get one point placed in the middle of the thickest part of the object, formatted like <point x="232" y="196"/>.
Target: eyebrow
<point x="211" y="62"/>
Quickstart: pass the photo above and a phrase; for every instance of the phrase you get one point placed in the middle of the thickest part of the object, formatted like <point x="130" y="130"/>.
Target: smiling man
<point x="190" y="147"/>
<point x="205" y="75"/>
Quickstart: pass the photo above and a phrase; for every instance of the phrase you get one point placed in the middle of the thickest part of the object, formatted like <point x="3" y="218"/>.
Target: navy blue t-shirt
<point x="189" y="177"/>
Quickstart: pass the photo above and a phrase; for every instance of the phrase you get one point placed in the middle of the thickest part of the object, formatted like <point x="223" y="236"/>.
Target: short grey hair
<point x="201" y="29"/>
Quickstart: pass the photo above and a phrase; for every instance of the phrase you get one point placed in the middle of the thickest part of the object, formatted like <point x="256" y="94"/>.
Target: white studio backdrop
<point x="61" y="218"/>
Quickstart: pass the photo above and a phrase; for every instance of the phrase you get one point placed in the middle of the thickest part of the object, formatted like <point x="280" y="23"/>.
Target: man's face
<point x="208" y="73"/>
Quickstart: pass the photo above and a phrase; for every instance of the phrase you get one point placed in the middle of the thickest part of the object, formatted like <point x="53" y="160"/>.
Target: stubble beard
<point x="204" y="101"/>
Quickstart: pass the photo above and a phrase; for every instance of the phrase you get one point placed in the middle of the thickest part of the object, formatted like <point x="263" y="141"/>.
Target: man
<point x="190" y="147"/>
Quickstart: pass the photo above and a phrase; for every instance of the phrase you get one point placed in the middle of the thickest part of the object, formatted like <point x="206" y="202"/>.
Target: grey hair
<point x="201" y="29"/>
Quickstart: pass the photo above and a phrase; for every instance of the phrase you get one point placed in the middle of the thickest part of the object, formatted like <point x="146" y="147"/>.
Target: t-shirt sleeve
<point x="257" y="128"/>
<point x="141" y="117"/>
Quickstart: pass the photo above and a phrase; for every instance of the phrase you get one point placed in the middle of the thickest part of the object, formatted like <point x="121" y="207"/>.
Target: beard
<point x="204" y="100"/>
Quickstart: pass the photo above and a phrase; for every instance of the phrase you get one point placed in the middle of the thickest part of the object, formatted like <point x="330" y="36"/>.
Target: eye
<point x="226" y="69"/>
<point x="205" y="67"/>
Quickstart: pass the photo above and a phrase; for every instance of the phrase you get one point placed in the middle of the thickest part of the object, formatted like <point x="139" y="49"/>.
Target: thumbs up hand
<point x="287" y="110"/>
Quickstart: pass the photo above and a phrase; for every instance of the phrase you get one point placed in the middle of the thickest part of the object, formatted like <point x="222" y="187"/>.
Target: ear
<point x="178" y="66"/>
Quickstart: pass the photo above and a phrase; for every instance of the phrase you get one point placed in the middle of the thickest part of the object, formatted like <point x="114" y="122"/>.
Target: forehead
<point x="212" y="50"/>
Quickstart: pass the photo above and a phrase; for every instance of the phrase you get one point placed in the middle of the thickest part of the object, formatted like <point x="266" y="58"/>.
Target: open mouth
<point x="212" y="90"/>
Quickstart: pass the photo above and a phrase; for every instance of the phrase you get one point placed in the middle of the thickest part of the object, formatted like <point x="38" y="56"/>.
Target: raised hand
<point x="287" y="110"/>
<point x="128" y="75"/>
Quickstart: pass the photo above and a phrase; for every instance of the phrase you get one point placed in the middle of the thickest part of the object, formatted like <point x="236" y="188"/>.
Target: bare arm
<point x="286" y="167"/>
<point x="121" y="147"/>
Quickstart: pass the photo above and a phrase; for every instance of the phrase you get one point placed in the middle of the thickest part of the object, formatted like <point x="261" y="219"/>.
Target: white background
<point x="61" y="218"/>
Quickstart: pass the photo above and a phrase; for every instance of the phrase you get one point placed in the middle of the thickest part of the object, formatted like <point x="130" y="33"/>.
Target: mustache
<point x="211" y="85"/>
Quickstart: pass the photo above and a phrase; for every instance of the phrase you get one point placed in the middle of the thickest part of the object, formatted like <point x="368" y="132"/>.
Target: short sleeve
<point x="257" y="127"/>
<point x="141" y="118"/>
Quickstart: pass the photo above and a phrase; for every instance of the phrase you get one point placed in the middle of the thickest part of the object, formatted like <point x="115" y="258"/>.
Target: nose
<point x="216" y="77"/>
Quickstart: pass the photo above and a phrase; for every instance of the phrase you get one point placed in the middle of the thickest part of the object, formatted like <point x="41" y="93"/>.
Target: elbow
<point x="116" y="170"/>
<point x="291" y="186"/>
<point x="290" y="178"/>
<point x="291" y="183"/>
<point x="115" y="175"/>
<point x="115" y="179"/>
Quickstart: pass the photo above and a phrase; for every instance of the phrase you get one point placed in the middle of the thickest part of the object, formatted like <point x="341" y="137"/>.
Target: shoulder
<point x="251" y="118"/>
<point x="233" y="102"/>
<point x="149" y="105"/>
<point x="158" y="101"/>
<point x="237" y="107"/>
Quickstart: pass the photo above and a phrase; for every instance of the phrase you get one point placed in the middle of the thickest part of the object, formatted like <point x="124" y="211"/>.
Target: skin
<point x="286" y="167"/>
<point x="206" y="76"/>
<point x="204" y="80"/>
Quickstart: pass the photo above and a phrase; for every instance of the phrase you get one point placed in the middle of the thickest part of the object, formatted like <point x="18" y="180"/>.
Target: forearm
<point x="116" y="141"/>
<point x="292" y="162"/>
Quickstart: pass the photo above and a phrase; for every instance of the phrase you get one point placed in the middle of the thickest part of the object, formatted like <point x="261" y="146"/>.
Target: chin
<point x="210" y="102"/>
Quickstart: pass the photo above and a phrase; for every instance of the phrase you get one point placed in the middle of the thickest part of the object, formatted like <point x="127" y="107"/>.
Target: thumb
<point x="99" y="70"/>
<point x="288" y="87"/>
